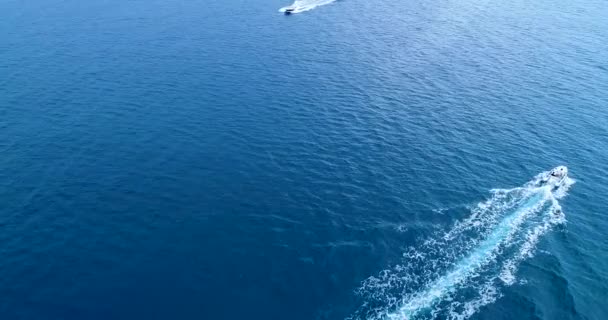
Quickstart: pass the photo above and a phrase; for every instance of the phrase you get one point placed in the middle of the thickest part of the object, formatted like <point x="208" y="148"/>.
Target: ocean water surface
<point x="354" y="160"/>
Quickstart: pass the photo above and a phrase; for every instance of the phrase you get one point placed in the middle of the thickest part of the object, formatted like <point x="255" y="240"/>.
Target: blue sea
<point x="356" y="159"/>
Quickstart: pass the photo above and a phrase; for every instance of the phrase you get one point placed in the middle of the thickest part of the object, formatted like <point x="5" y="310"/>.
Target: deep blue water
<point x="218" y="160"/>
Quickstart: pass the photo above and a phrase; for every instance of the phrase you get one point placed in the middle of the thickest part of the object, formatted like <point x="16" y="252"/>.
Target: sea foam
<point x="306" y="5"/>
<point x="454" y="273"/>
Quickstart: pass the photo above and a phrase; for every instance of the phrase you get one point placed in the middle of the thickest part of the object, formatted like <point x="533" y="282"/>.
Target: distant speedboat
<point x="289" y="10"/>
<point x="555" y="178"/>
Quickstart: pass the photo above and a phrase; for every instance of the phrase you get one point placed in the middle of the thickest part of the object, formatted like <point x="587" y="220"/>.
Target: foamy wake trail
<point x="453" y="274"/>
<point x="305" y="5"/>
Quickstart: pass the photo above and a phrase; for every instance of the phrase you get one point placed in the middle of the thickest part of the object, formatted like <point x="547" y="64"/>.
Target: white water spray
<point x="306" y="5"/>
<point x="452" y="275"/>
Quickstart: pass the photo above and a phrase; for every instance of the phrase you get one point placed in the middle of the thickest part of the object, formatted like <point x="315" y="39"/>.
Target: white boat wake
<point x="453" y="274"/>
<point x="305" y="5"/>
